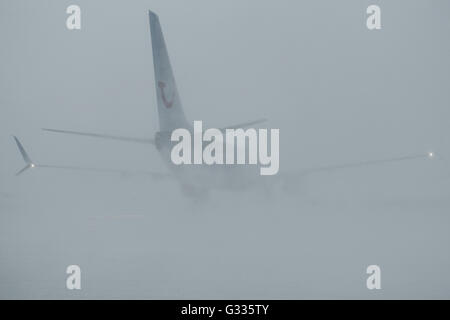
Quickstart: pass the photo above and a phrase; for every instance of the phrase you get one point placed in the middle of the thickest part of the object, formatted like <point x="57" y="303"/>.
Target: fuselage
<point x="220" y="176"/>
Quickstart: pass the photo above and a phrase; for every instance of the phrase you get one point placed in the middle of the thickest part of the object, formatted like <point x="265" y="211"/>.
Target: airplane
<point x="195" y="180"/>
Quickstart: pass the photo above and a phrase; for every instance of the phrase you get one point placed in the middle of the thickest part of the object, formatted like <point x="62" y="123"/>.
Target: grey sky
<point x="337" y="91"/>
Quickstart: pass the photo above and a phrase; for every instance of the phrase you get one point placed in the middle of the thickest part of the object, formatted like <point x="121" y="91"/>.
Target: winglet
<point x="152" y="14"/>
<point x="25" y="156"/>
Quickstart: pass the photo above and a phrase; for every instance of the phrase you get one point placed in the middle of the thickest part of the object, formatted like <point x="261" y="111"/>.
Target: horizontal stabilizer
<point x="245" y="124"/>
<point x="104" y="136"/>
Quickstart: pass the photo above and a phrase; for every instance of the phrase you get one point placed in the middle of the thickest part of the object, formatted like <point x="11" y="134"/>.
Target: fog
<point x="338" y="93"/>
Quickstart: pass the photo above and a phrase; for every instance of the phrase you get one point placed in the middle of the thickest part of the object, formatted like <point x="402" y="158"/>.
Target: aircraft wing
<point x="153" y="174"/>
<point x="103" y="136"/>
<point x="31" y="165"/>
<point x="292" y="177"/>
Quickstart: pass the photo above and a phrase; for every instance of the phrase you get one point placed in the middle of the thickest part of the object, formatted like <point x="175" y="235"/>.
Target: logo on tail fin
<point x="166" y="102"/>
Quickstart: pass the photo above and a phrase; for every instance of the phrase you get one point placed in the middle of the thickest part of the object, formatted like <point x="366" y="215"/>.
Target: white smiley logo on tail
<point x="166" y="102"/>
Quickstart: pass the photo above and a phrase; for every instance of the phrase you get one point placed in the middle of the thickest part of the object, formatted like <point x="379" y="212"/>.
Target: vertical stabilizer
<point x="170" y="111"/>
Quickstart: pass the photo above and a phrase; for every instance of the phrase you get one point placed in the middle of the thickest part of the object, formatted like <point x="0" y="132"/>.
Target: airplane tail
<point x="170" y="111"/>
<point x="25" y="156"/>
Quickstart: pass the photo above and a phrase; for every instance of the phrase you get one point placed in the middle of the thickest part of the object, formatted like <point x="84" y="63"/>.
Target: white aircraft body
<point x="194" y="179"/>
